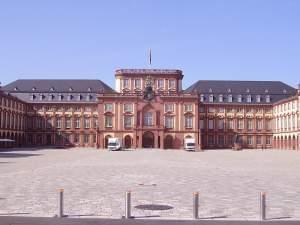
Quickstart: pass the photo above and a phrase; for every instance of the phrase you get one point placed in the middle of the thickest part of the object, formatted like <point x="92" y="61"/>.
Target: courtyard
<point x="162" y="183"/>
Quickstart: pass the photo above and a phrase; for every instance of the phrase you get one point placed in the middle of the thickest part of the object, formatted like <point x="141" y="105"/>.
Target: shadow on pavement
<point x="16" y="155"/>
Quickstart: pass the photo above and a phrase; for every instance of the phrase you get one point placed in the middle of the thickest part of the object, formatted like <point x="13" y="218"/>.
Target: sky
<point x="90" y="39"/>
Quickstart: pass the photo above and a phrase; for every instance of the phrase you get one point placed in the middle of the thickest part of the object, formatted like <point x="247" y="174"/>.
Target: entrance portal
<point x="127" y="141"/>
<point x="148" y="140"/>
<point x="168" y="142"/>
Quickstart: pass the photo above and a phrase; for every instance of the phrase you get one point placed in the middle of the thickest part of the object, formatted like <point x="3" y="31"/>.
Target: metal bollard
<point x="262" y="206"/>
<point x="61" y="203"/>
<point x="128" y="205"/>
<point x="196" y="205"/>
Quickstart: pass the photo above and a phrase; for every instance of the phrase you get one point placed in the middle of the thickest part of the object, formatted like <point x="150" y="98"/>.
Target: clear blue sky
<point x="89" y="39"/>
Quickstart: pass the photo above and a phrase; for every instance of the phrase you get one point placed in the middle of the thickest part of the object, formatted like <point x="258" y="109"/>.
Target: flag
<point x="150" y="58"/>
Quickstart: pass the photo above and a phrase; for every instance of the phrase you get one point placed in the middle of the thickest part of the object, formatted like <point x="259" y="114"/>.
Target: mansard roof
<point x="277" y="90"/>
<point x="39" y="90"/>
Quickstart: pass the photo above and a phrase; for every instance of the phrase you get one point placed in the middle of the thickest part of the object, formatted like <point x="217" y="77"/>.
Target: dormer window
<point x="60" y="97"/>
<point x="41" y="97"/>
<point x="249" y="98"/>
<point x="78" y="97"/>
<point x="70" y="89"/>
<point x="229" y="90"/>
<point x="211" y="98"/>
<point x="69" y="97"/>
<point x="268" y="99"/>
<point x="266" y="91"/>
<point x="220" y="98"/>
<point x="239" y="98"/>
<point x="284" y="91"/>
<point x="52" y="89"/>
<point x="202" y="98"/>
<point x="32" y="97"/>
<point x="16" y="89"/>
<point x="50" y="97"/>
<point x="33" y="88"/>
<point x="89" y="97"/>
<point x="258" y="98"/>
<point x="210" y="90"/>
<point x="89" y="89"/>
<point x="229" y="98"/>
<point x="247" y="90"/>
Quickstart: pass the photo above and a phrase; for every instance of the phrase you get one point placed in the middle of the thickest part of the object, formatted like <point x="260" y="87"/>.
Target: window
<point x="172" y="84"/>
<point x="108" y="107"/>
<point x="188" y="107"/>
<point x="87" y="123"/>
<point x="211" y="140"/>
<point x="41" y="97"/>
<point x="49" y="123"/>
<point x="125" y="83"/>
<point x="269" y="124"/>
<point x="230" y="124"/>
<point x="249" y="140"/>
<point x="50" y="97"/>
<point x="240" y="124"/>
<point x="89" y="97"/>
<point x="221" y="124"/>
<point x="211" y="109"/>
<point x="88" y="109"/>
<point x="220" y="98"/>
<point x="60" y="97"/>
<point x="201" y="124"/>
<point x="201" y="109"/>
<point x="239" y="98"/>
<point x="137" y="83"/>
<point x="127" y="107"/>
<point x="268" y="99"/>
<point x="211" y="98"/>
<point x="79" y="97"/>
<point x="229" y="98"/>
<point x="268" y="140"/>
<point x="258" y="140"/>
<point x="258" y="98"/>
<point x="86" y="138"/>
<point x="58" y="122"/>
<point x="69" y="97"/>
<point x="108" y="121"/>
<point x="210" y="124"/>
<point x="201" y="98"/>
<point x="169" y="122"/>
<point x="249" y="124"/>
<point x="188" y="122"/>
<point x="160" y="83"/>
<point x="148" y="120"/>
<point x="221" y="140"/>
<point x="221" y="110"/>
<point x="96" y="122"/>
<point x="127" y="121"/>
<point x="259" y="124"/>
<point x="77" y="122"/>
<point x="76" y="138"/>
<point x="68" y="123"/>
<point x="169" y="107"/>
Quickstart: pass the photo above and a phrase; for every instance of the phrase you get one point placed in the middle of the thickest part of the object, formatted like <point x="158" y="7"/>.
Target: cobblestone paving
<point x="95" y="182"/>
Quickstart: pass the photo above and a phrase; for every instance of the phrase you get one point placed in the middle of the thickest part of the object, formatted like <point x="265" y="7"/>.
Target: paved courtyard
<point x="95" y="182"/>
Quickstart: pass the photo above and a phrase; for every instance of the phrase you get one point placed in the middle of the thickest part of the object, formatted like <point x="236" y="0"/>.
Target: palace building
<point x="149" y="109"/>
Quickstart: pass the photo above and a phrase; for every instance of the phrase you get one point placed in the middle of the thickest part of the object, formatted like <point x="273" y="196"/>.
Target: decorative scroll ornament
<point x="148" y="93"/>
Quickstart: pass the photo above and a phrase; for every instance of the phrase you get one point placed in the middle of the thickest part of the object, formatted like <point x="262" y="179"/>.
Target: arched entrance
<point x="106" y="140"/>
<point x="168" y="142"/>
<point x="127" y="141"/>
<point x="148" y="140"/>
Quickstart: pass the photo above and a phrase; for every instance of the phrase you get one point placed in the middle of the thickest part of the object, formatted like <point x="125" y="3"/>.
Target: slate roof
<point x="38" y="91"/>
<point x="277" y="90"/>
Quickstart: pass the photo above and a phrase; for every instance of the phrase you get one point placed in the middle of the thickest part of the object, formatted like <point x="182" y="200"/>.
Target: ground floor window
<point x="76" y="138"/>
<point x="249" y="140"/>
<point x="86" y="138"/>
<point x="221" y="140"/>
<point x="210" y="139"/>
<point x="268" y="140"/>
<point x="258" y="140"/>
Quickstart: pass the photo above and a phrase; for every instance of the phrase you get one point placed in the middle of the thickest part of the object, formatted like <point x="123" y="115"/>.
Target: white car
<point x="114" y="144"/>
<point x="189" y="144"/>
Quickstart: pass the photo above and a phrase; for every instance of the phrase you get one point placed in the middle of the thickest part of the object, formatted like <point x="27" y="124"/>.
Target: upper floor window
<point x="220" y="98"/>
<point x="188" y="107"/>
<point x="229" y="98"/>
<point x="268" y="99"/>
<point x="108" y="121"/>
<point x="108" y="107"/>
<point x="249" y="98"/>
<point x="188" y="122"/>
<point x="137" y="83"/>
<point x="125" y="83"/>
<point x="127" y="107"/>
<point x="169" y="107"/>
<point x="160" y="83"/>
<point x="148" y="119"/>
<point x="169" y="122"/>
<point x="127" y="121"/>
<point x="172" y="84"/>
<point x="211" y="98"/>
<point x="87" y="123"/>
<point x="58" y="122"/>
<point x="68" y="123"/>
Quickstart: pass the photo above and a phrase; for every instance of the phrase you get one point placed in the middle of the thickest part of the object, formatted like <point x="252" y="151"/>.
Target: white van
<point x="189" y="144"/>
<point x="114" y="144"/>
